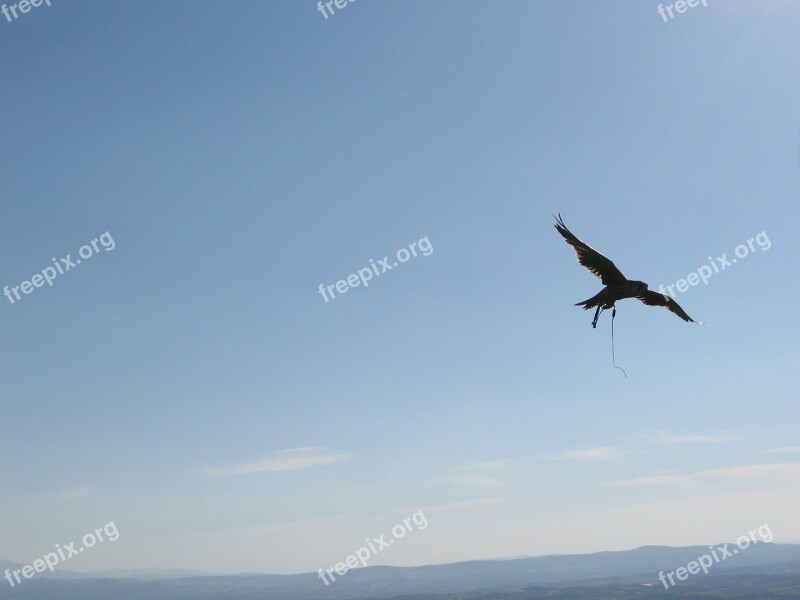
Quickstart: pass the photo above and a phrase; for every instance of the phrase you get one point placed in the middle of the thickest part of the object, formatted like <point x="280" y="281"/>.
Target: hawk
<point x="617" y="286"/>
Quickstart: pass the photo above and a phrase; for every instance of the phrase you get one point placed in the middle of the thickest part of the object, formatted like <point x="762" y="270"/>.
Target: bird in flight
<point x="618" y="287"/>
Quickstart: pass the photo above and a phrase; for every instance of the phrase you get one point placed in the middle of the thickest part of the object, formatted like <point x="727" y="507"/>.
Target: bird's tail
<point x="591" y="302"/>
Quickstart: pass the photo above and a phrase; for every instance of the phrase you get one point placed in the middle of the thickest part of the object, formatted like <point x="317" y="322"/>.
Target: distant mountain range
<point x="763" y="570"/>
<point x="147" y="574"/>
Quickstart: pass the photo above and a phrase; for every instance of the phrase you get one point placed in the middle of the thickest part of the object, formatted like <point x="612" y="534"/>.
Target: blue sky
<point x="194" y="387"/>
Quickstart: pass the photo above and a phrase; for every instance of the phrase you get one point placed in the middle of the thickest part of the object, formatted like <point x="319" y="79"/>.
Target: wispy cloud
<point x="600" y="453"/>
<point x="707" y="438"/>
<point x="786" y="450"/>
<point x="756" y="471"/>
<point x="316" y="524"/>
<point x="478" y="480"/>
<point x="492" y="465"/>
<point x="292" y="459"/>
<point x="475" y="504"/>
<point x="781" y="471"/>
<point x="654" y="480"/>
<point x="479" y="475"/>
<point x="80" y="492"/>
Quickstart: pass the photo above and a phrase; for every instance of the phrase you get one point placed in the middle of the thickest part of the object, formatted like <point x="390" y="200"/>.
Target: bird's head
<point x="641" y="286"/>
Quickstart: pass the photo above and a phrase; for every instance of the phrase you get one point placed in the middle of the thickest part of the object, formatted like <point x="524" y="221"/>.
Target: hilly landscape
<point x="763" y="571"/>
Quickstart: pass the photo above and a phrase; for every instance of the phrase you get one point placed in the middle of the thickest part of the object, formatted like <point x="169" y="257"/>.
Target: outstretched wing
<point x="652" y="298"/>
<point x="590" y="258"/>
